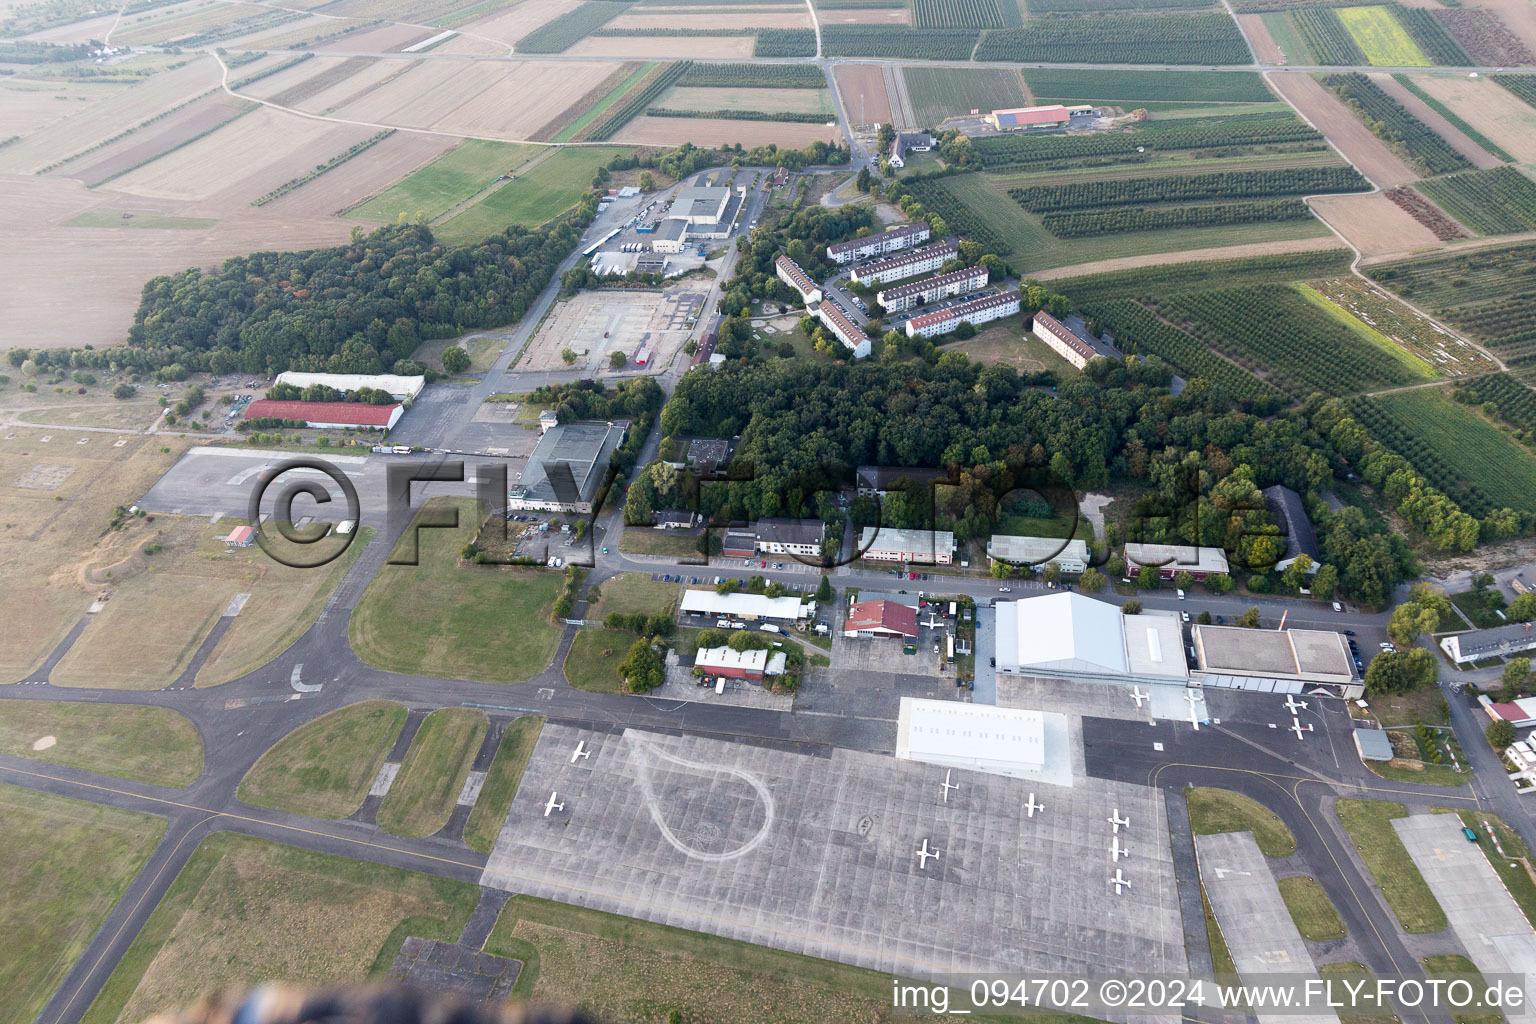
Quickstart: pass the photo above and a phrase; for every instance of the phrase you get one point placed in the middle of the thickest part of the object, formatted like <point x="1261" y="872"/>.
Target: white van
<point x="769" y="627"/>
<point x="1180" y="593"/>
<point x="722" y="623"/>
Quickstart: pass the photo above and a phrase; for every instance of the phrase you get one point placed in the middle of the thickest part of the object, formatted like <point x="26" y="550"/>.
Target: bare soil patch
<point x="523" y="98"/>
<point x="1458" y="139"/>
<point x="327" y="77"/>
<point x="743" y="18"/>
<point x="807" y="101"/>
<point x="422" y="95"/>
<point x="1519" y="17"/>
<point x="1491" y="109"/>
<point x="1374" y="224"/>
<point x="1330" y="116"/>
<point x="670" y="47"/>
<point x="1417" y="206"/>
<point x="27" y="106"/>
<point x="358" y="179"/>
<point x="353" y="88"/>
<point x="669" y="131"/>
<point x="862" y="87"/>
<point x="382" y="38"/>
<point x="1264" y="46"/>
<point x="142" y="146"/>
<point x="1228" y="252"/>
<point x="867" y="16"/>
<point x="510" y="25"/>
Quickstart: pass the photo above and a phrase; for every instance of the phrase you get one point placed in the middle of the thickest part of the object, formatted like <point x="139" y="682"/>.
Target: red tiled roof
<point x="359" y="413"/>
<point x="882" y="614"/>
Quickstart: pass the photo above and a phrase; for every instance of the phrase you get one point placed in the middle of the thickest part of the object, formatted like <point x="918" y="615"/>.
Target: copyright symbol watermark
<point x="302" y="548"/>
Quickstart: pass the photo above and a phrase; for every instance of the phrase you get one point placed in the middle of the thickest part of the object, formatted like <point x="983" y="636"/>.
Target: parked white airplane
<point x="1293" y="705"/>
<point x="580" y="751"/>
<point x="1116" y="851"/>
<point x="1115" y="821"/>
<point x="949" y="785"/>
<point x="1119" y="882"/>
<point x="552" y="806"/>
<point x="1139" y="696"/>
<point x="1031" y="807"/>
<point x="924" y="853"/>
<point x="1299" y="729"/>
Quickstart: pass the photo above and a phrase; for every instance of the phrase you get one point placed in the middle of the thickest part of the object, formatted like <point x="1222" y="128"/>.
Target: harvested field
<point x="354" y="88"/>
<point x="865" y="16"/>
<point x="187" y="21"/>
<point x="862" y="87"/>
<point x="510" y="25"/>
<point x="281" y="81"/>
<point x="76" y="32"/>
<point x="1374" y="224"/>
<point x="667" y="47"/>
<point x="300" y="31"/>
<point x="388" y="162"/>
<point x="1426" y="213"/>
<point x="523" y="98"/>
<point x="1226" y="252"/>
<point x="324" y="78"/>
<point x="669" y="131"/>
<point x="428" y="91"/>
<point x="110" y="117"/>
<point x="681" y="97"/>
<point x="1458" y="139"/>
<point x="744" y="18"/>
<point x="1264" y="47"/>
<point x="1328" y="114"/>
<point x="381" y="39"/>
<point x="1490" y="108"/>
<point x="28" y="106"/>
<point x="163" y="136"/>
<point x="1486" y="36"/>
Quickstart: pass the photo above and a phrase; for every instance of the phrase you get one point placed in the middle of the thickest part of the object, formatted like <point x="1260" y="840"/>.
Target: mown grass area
<point x="476" y="622"/>
<point x="1426" y="775"/>
<point x="433" y="772"/>
<point x="146" y="744"/>
<point x="639" y="540"/>
<point x="592" y="664"/>
<point x="1314" y="913"/>
<point x="153" y="221"/>
<point x="1415" y="366"/>
<point x="1510" y="869"/>
<point x="447" y="181"/>
<point x="1369" y="824"/>
<point x="620" y="969"/>
<point x="1221" y="956"/>
<point x="247" y="910"/>
<point x="1452" y="965"/>
<point x="545" y="192"/>
<point x="569" y="131"/>
<point x="501" y="782"/>
<point x="324" y="768"/>
<point x="1213" y="810"/>
<point x="1361" y="1010"/>
<point x="66" y="864"/>
<point x="635" y="592"/>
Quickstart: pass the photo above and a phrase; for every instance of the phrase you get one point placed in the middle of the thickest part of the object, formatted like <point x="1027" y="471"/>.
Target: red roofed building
<point x="327" y="415"/>
<point x="881" y="618"/>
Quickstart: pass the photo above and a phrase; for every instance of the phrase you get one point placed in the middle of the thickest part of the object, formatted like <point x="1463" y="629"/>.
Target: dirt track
<point x="1226" y="252"/>
<point x="1330" y="116"/>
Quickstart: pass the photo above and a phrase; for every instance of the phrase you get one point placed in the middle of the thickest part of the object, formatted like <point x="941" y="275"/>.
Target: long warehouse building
<point x="876" y="245"/>
<point x="956" y="282"/>
<point x="977" y="311"/>
<point x="920" y="261"/>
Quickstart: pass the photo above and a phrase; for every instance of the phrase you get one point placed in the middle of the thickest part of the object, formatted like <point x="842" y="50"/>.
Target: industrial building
<point x="919" y="547"/>
<point x="1172" y="559"/>
<point x="843" y="329"/>
<point x="1290" y="514"/>
<point x="1251" y="658"/>
<point x="790" y="273"/>
<point x="977" y="311"/>
<point x="881" y="619"/>
<point x="708" y="210"/>
<point x="704" y="601"/>
<point x="723" y="662"/>
<point x="909" y="264"/>
<point x="1068" y="634"/>
<point x="400" y="388"/>
<point x="875" y="245"/>
<point x="1054" y="116"/>
<point x="1070" y="555"/>
<point x="1500" y="642"/>
<point x="1062" y="340"/>
<point x="670" y="236"/>
<point x="327" y="415"/>
<point x="566" y="468"/>
<point x="975" y="737"/>
<point x="774" y="536"/>
<point x="956" y="282"/>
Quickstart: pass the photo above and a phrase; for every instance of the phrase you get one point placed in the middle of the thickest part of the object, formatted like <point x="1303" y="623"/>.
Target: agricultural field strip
<point x="1501" y="201"/>
<point x="1511" y="401"/>
<point x="1484" y="292"/>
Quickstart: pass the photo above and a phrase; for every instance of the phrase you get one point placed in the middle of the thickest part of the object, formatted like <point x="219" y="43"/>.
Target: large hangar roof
<point x="1004" y="741"/>
<point x="1063" y="632"/>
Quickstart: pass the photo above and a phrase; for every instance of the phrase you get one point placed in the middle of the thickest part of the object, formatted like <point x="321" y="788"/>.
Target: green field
<point x="1415" y="366"/>
<point x="422" y="797"/>
<point x="1381" y="37"/>
<point x="501" y="782"/>
<point x="1283" y="31"/>
<point x="1024" y="232"/>
<point x="1482" y="454"/>
<point x="601" y="106"/>
<point x="1212" y="811"/>
<point x="245" y="911"/>
<point x="121" y="219"/>
<point x="67" y="862"/>
<point x="1314" y="913"/>
<point x="437" y="619"/>
<point x="938" y="93"/>
<point x="324" y="768"/>
<point x="592" y="664"/>
<point x="1498" y="201"/>
<point x="548" y="189"/>
<point x="146" y="744"/>
<point x="447" y="181"/>
<point x="1369" y="824"/>
<point x="1112" y="86"/>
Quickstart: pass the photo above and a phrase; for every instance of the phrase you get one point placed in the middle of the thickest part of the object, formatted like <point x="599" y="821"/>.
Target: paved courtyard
<point x="819" y="855"/>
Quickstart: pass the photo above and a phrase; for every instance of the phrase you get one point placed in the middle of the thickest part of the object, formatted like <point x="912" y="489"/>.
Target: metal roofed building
<point x="670" y="236"/>
<point x="919" y="261"/>
<point x="942" y="286"/>
<point x="701" y="601"/>
<point x="977" y="737"/>
<point x="327" y="415"/>
<point x="1172" y="559"/>
<point x="1026" y="118"/>
<point x="723" y="661"/>
<point x="566" y="468"/>
<point x="976" y="311"/>
<point x="1301" y="655"/>
<point x="874" y="245"/>
<point x="1290" y="514"/>
<point x="1373" y="744"/>
<point x="1498" y="642"/>
<point x="400" y="388"/>
<point x="791" y="274"/>
<point x="881" y="619"/>
<point x="703" y="205"/>
<point x="920" y="547"/>
<point x="1068" y="634"/>
<point x="1071" y="555"/>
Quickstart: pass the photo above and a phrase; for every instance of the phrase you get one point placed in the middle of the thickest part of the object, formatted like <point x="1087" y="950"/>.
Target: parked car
<point x="1387" y="647"/>
<point x="1184" y="616"/>
<point x="1005" y="590"/>
<point x="1348" y="632"/>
